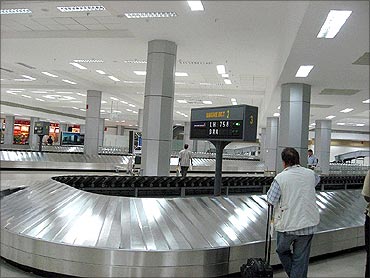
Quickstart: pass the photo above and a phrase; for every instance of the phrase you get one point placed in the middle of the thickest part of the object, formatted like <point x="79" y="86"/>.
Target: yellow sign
<point x="211" y="115"/>
<point x="251" y="119"/>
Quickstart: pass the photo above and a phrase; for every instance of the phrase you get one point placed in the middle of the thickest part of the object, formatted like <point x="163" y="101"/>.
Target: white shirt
<point x="185" y="157"/>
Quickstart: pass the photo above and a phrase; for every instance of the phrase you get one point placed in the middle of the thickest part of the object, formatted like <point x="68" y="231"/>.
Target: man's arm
<point x="274" y="193"/>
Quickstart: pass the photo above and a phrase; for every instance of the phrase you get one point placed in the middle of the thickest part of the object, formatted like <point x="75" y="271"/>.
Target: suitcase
<point x="258" y="267"/>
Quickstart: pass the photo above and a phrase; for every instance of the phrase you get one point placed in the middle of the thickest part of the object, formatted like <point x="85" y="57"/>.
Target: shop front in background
<point x="21" y="132"/>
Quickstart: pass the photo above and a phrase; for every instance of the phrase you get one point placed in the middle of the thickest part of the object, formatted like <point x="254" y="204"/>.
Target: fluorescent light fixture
<point x="81" y="9"/>
<point x="360" y="124"/>
<point x="330" y="117"/>
<point x="221" y="69"/>
<point x="182" y="101"/>
<point x="64" y="93"/>
<point x="150" y="15"/>
<point x="117" y="111"/>
<point x="39" y="99"/>
<point x="17" y="89"/>
<point x="196" y="5"/>
<point x="366" y="101"/>
<point x="313" y="124"/>
<point x="77" y="65"/>
<point x="103" y="101"/>
<point x="207" y="102"/>
<point x="278" y="107"/>
<point x="29" y="77"/>
<point x="233" y="99"/>
<point x="82" y="109"/>
<point x="113" y="78"/>
<point x="133" y="82"/>
<point x="135" y="112"/>
<point x="205" y="84"/>
<point x="135" y="61"/>
<point x="88" y="61"/>
<point x="26" y="96"/>
<point x="114" y="98"/>
<point x="140" y="72"/>
<point x="76" y="108"/>
<point x="124" y="102"/>
<point x="304" y="71"/>
<point x="123" y="121"/>
<point x="22" y="79"/>
<point x="83" y="95"/>
<point x="49" y="74"/>
<point x="347" y="110"/>
<point x="76" y="101"/>
<point x="129" y="110"/>
<point x="10" y="92"/>
<point x="225" y="75"/>
<point x="129" y="125"/>
<point x="227" y="81"/>
<point x="100" y="71"/>
<point x="15" y="11"/>
<point x="180" y="83"/>
<point x="341" y="124"/>
<point x="181" y="74"/>
<point x="234" y="103"/>
<point x="68" y="81"/>
<point x="276" y="115"/>
<point x="132" y="105"/>
<point x="334" y="21"/>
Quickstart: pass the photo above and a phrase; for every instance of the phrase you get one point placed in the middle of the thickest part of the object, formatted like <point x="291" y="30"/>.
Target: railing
<point x="347" y="169"/>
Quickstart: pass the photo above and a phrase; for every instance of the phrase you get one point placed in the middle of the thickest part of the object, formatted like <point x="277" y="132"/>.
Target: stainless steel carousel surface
<point x="57" y="228"/>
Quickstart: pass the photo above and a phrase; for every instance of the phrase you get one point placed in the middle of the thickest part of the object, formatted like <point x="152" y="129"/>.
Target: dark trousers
<point x="367" y="245"/>
<point x="184" y="170"/>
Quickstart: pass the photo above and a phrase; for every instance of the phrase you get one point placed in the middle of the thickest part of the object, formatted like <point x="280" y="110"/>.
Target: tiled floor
<point x="345" y="265"/>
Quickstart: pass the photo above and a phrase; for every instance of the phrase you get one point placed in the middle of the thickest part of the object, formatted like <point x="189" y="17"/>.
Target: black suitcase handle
<point x="270" y="210"/>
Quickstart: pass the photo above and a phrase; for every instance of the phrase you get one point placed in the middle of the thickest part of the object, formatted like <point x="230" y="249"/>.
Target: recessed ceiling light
<point x="10" y="92"/>
<point x="29" y="77"/>
<point x="124" y="102"/>
<point x="100" y="71"/>
<point x="49" y="74"/>
<point x="347" y="110"/>
<point x="103" y="101"/>
<point x="205" y="84"/>
<point x="77" y="65"/>
<point x="76" y="108"/>
<point x="133" y="82"/>
<point x="135" y="61"/>
<point x="80" y="94"/>
<point x="113" y="78"/>
<point x="82" y="109"/>
<point x="135" y="112"/>
<point x="227" y="81"/>
<point x="360" y="124"/>
<point x="117" y="111"/>
<point x="334" y="21"/>
<point x="276" y="115"/>
<point x="81" y="9"/>
<point x="68" y="81"/>
<point x="330" y="117"/>
<point x="26" y="96"/>
<point x="278" y="107"/>
<point x="129" y="110"/>
<point x="132" y="105"/>
<point x="304" y="71"/>
<point x="233" y="99"/>
<point x="182" y="101"/>
<point x="15" y="11"/>
<point x="207" y="102"/>
<point x="341" y="124"/>
<point x="150" y="15"/>
<point x="181" y="74"/>
<point x="221" y="69"/>
<point x="140" y="72"/>
<point x="196" y="5"/>
<point x="225" y="75"/>
<point x="39" y="99"/>
<point x="366" y="101"/>
<point x="114" y="98"/>
<point x="88" y="61"/>
<point x="129" y="125"/>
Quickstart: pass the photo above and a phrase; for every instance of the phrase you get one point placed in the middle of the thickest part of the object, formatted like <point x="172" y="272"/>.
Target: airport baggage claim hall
<point x="98" y="98"/>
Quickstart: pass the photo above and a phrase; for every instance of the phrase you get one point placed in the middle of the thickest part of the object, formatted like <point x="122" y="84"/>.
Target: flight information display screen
<point x="231" y="123"/>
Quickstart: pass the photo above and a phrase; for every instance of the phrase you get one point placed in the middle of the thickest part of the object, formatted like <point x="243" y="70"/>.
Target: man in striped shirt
<point x="296" y="215"/>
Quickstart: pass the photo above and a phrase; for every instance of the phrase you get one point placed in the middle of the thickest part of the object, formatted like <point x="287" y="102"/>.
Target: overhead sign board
<point x="42" y="128"/>
<point x="226" y="123"/>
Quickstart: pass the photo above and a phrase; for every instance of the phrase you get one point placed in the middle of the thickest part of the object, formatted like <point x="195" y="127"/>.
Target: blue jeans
<point x="295" y="263"/>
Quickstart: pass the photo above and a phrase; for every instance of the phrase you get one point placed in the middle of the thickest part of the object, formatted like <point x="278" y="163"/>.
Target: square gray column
<point x="92" y="122"/>
<point x="158" y="108"/>
<point x="262" y="140"/>
<point x="187" y="135"/>
<point x="34" y="138"/>
<point x="9" y="130"/>
<point x="322" y="144"/>
<point x="294" y="120"/>
<point x="271" y="142"/>
<point x="101" y="131"/>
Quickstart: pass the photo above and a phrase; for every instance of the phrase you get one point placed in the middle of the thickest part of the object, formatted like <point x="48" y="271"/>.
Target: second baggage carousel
<point x="56" y="228"/>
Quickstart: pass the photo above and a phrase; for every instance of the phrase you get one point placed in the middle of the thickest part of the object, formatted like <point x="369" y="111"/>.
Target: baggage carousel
<point x="57" y="228"/>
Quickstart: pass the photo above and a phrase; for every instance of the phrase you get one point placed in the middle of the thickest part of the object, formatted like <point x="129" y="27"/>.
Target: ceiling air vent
<point x="183" y="62"/>
<point x="339" y="92"/>
<point x="320" y="106"/>
<point x="363" y="60"/>
<point x="8" y="70"/>
<point x="26" y="66"/>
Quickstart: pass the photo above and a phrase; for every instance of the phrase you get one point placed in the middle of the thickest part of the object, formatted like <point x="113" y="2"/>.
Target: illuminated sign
<point x="231" y="123"/>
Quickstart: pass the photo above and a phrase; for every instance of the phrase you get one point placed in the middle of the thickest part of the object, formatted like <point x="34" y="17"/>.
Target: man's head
<point x="310" y="152"/>
<point x="290" y="157"/>
<point x="186" y="146"/>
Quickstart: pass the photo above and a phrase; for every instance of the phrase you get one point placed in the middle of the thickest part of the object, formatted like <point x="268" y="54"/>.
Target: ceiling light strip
<point x="333" y="23"/>
<point x="81" y="9"/>
<point x="196" y="6"/>
<point x="15" y="11"/>
<point x="139" y="15"/>
<point x="304" y="71"/>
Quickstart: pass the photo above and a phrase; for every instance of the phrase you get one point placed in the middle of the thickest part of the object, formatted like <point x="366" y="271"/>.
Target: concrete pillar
<point x="92" y="122"/>
<point x="158" y="108"/>
<point x="120" y="130"/>
<point x="101" y="132"/>
<point x="62" y="128"/>
<point x="262" y="139"/>
<point x="33" y="138"/>
<point x="9" y="130"/>
<point x="271" y="142"/>
<point x="294" y="120"/>
<point x="322" y="144"/>
<point x="82" y="129"/>
<point x="187" y="135"/>
<point x="140" y="120"/>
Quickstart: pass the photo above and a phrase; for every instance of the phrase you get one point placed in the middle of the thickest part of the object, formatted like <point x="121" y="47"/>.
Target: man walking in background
<point x="311" y="159"/>
<point x="296" y="213"/>
<point x="185" y="159"/>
